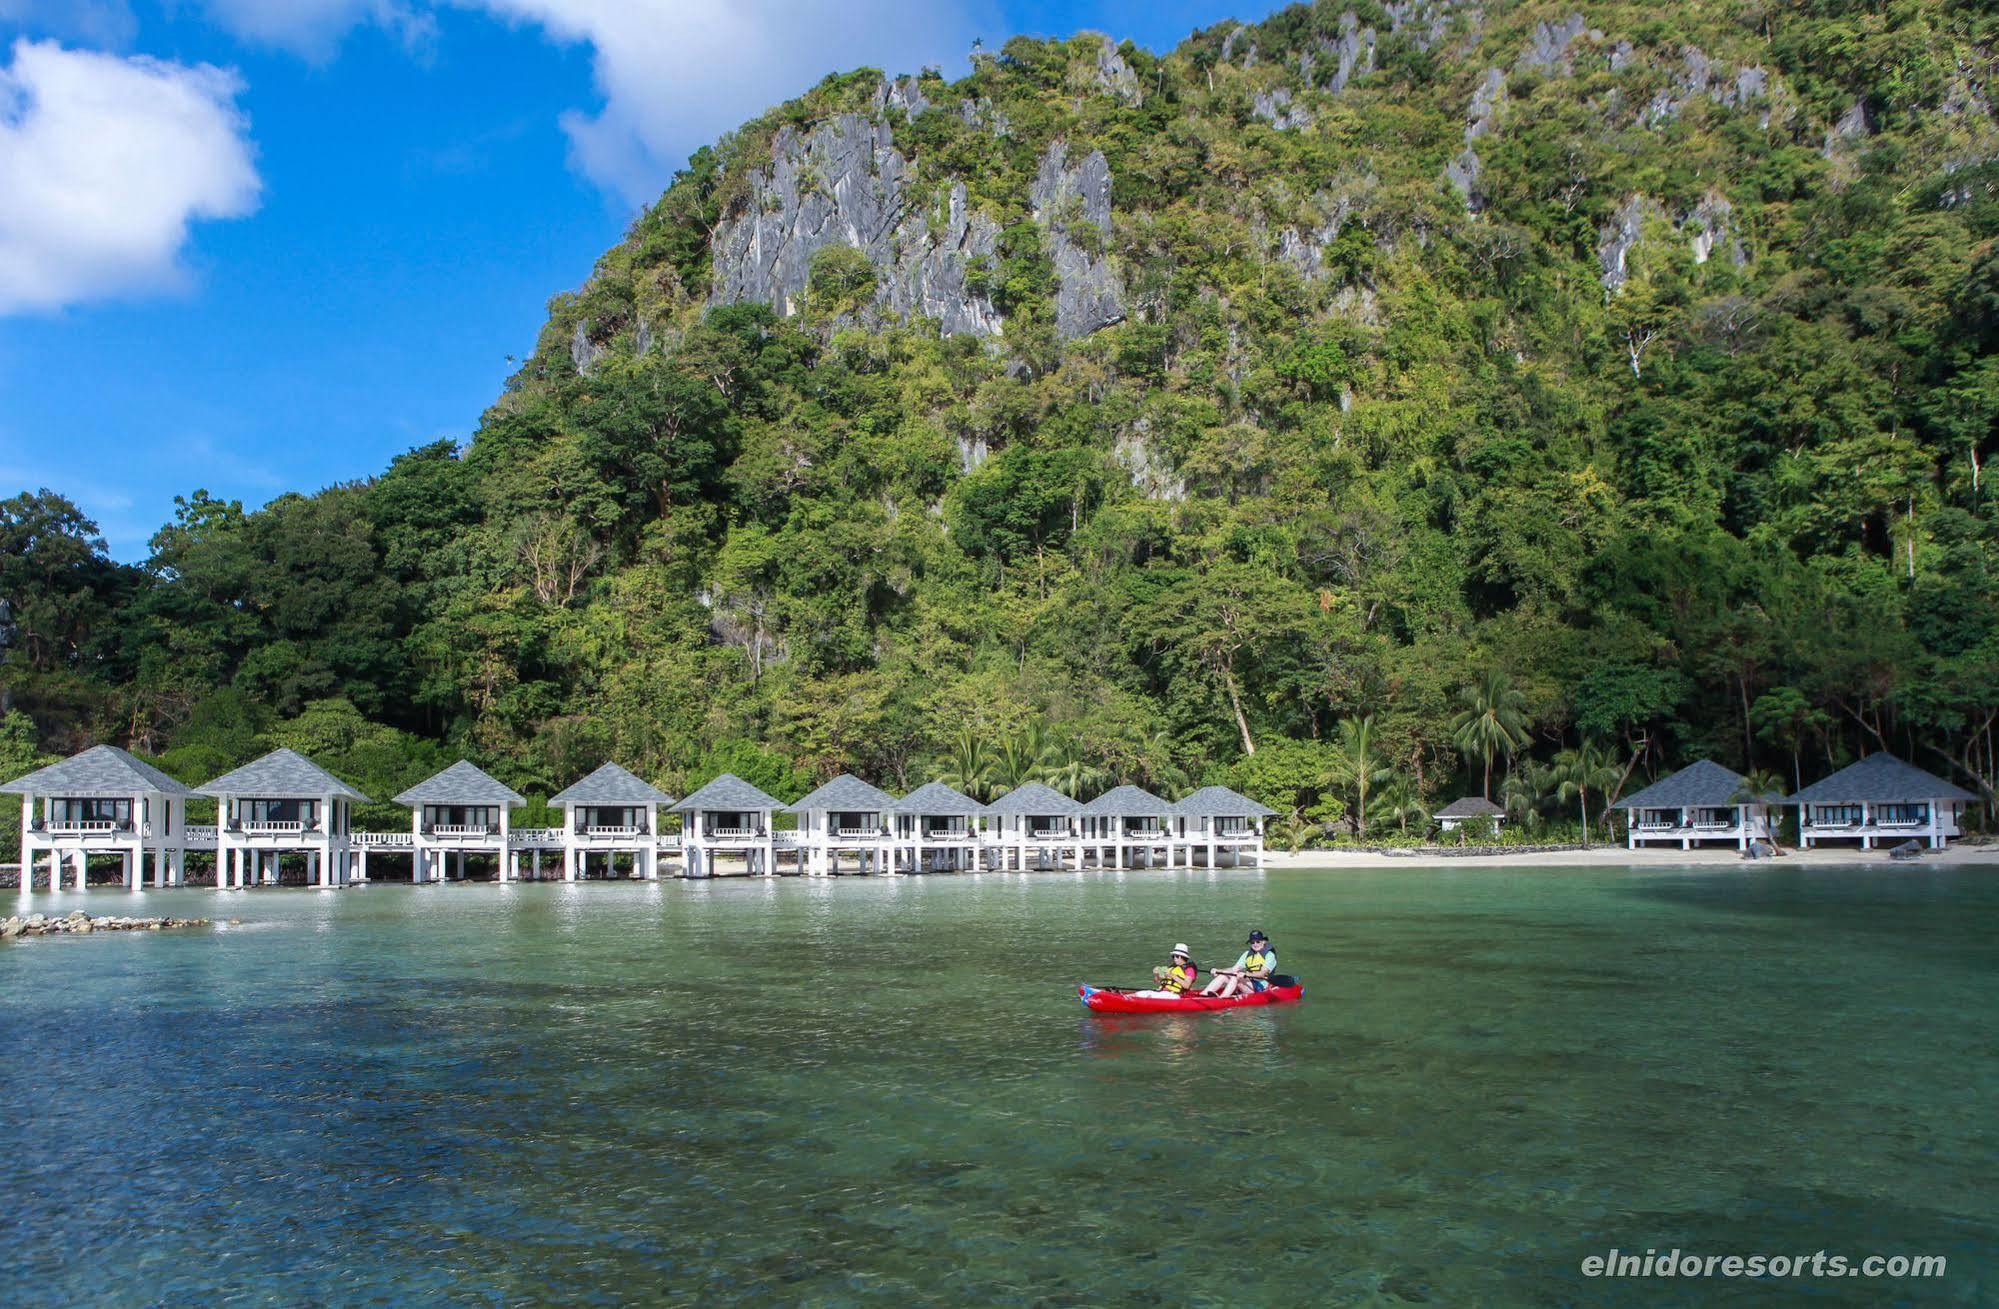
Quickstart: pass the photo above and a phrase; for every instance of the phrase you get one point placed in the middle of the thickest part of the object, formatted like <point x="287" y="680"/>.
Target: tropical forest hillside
<point x="1369" y="405"/>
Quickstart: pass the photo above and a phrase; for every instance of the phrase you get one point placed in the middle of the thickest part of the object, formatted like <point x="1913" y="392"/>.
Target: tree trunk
<point x="1235" y="703"/>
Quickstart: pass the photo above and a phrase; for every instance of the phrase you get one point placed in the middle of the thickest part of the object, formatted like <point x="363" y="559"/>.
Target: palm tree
<point x="1759" y="785"/>
<point x="1493" y="722"/>
<point x="970" y="765"/>
<point x="1359" y="764"/>
<point x="1584" y="769"/>
<point x="1019" y="759"/>
<point x="1402" y="805"/>
<point x="1524" y="791"/>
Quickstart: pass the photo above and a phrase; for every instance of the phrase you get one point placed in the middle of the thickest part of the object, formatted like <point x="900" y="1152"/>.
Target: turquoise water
<point x="867" y="1090"/>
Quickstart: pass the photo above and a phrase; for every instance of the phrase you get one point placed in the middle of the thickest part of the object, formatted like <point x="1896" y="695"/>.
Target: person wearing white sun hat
<point x="1176" y="977"/>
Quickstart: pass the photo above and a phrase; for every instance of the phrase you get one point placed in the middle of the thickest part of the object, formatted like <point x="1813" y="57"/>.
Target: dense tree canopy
<point x="1662" y="437"/>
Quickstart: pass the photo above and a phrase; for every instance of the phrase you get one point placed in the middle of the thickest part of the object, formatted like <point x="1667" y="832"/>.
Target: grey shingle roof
<point x="1470" y="806"/>
<point x="464" y="783"/>
<point x="99" y="771"/>
<point x="1701" y="784"/>
<point x="846" y="794"/>
<point x="1127" y="802"/>
<point x="1879" y="779"/>
<point x="281" y="775"/>
<point x="1220" y="802"/>
<point x="610" y="785"/>
<point x="1034" y="800"/>
<point x="728" y="794"/>
<point x="937" y="799"/>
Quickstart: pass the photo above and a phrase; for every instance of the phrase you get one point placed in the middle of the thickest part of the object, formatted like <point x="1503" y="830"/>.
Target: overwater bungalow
<point x="461" y="811"/>
<point x="1036" y="821"/>
<point x="611" y="812"/>
<point x="728" y="817"/>
<point x="1702" y="802"/>
<point x="104" y="801"/>
<point x="939" y="827"/>
<point x="282" y="804"/>
<point x="1222" y="823"/>
<point x="1127" y="826"/>
<point x="1468" y="809"/>
<point x="845" y="816"/>
<point x="1879" y="798"/>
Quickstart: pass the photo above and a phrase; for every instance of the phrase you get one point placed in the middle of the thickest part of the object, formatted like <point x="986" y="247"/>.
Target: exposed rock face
<point x="905" y="95"/>
<point x="1351" y="54"/>
<point x="1426" y="21"/>
<point x="1150" y="473"/>
<point x="1089" y="293"/>
<point x="1229" y="43"/>
<point x="1548" y="48"/>
<point x="845" y="183"/>
<point x="1852" y="126"/>
<point x="1275" y="107"/>
<point x="1116" y="76"/>
<point x="1700" y="76"/>
<point x="1711" y="226"/>
<point x="583" y="352"/>
<point x="1481" y="116"/>
<point x="1616" y="239"/>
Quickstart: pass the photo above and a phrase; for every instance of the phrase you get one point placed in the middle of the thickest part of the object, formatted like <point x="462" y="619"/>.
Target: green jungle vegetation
<point x="1661" y="437"/>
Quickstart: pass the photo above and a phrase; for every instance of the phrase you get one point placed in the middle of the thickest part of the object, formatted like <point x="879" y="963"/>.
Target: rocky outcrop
<point x="584" y="352"/>
<point x="1700" y="76"/>
<point x="1853" y="127"/>
<point x="1616" y="239"/>
<point x="1115" y="76"/>
<point x="79" y="923"/>
<point x="1229" y="44"/>
<point x="1151" y="473"/>
<point x="1710" y="227"/>
<point x="1073" y="202"/>
<point x="1275" y="107"/>
<point x="1481" y="116"/>
<point x="845" y="183"/>
<point x="1350" y="55"/>
<point x="1426" y="21"/>
<point x="1548" y="47"/>
<point x="904" y="94"/>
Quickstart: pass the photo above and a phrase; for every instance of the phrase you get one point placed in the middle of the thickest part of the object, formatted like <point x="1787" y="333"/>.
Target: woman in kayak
<point x="1251" y="972"/>
<point x="1174" y="978"/>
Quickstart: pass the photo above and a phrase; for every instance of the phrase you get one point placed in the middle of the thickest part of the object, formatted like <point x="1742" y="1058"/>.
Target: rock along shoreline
<point x="79" y="923"/>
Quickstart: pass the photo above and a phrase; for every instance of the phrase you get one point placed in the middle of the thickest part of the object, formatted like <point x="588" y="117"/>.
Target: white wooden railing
<point x="542" y="838"/>
<point x="78" y="826"/>
<point x="859" y="833"/>
<point x="274" y="827"/>
<point x="596" y="829"/>
<point x="459" y="829"/>
<point x="384" y="841"/>
<point x="734" y="833"/>
<point x="200" y="835"/>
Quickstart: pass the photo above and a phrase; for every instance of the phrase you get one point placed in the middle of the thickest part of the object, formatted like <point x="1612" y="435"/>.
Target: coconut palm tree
<point x="1399" y="801"/>
<point x="1581" y="770"/>
<point x="1359" y="764"/>
<point x="1759" y="785"/>
<point x="1524" y="791"/>
<point x="969" y="765"/>
<point x="1020" y="758"/>
<point x="1493" y="722"/>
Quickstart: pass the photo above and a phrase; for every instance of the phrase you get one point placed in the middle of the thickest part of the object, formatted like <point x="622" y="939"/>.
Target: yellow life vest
<point x="1256" y="963"/>
<point x="1178" y="978"/>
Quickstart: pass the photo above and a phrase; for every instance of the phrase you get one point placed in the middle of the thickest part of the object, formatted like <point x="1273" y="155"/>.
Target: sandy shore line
<point x="1653" y="859"/>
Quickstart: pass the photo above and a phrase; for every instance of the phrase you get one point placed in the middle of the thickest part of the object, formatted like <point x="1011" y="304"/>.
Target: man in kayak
<point x="1251" y="972"/>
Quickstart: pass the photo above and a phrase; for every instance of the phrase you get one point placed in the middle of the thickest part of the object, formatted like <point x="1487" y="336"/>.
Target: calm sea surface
<point x="885" y="1090"/>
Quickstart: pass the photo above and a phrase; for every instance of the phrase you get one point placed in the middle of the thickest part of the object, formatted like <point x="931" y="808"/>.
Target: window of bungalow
<point x="1836" y="815"/>
<point x="93" y="811"/>
<point x="1906" y="815"/>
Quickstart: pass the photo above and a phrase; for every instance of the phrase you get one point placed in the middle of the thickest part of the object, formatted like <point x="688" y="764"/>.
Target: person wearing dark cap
<point x="1251" y="971"/>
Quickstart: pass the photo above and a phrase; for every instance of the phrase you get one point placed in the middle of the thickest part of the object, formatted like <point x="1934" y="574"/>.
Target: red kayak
<point x="1124" y="1000"/>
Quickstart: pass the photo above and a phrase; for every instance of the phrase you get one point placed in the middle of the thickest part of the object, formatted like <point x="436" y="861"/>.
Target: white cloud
<point x="674" y="74"/>
<point x="104" y="162"/>
<point x="92" y="22"/>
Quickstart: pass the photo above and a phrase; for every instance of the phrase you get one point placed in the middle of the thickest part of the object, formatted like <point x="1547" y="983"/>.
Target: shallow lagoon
<point x="837" y="1092"/>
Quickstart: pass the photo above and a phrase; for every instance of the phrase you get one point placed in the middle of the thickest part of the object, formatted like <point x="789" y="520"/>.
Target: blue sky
<point x="255" y="246"/>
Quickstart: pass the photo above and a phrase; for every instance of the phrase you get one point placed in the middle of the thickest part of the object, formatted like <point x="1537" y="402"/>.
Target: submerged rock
<point x="79" y="923"/>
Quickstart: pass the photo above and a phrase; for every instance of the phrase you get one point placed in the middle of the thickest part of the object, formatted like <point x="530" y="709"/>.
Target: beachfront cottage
<point x="1126" y="826"/>
<point x="938" y="827"/>
<point x="1879" y="798"/>
<point x="282" y="804"/>
<point x="845" y="816"/>
<point x="609" y="813"/>
<point x="1035" y="820"/>
<point x="728" y="817"/>
<point x="1468" y="809"/>
<point x="1702" y="802"/>
<point x="460" y="811"/>
<point x="104" y="801"/>
<point x="1221" y="822"/>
